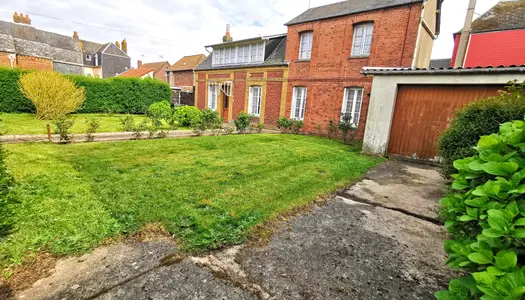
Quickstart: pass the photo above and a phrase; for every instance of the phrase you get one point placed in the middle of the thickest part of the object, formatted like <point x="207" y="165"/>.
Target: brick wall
<point x="273" y="98"/>
<point x="160" y="74"/>
<point x="239" y="93"/>
<point x="33" y="63"/>
<point x="181" y="78"/>
<point x="201" y="87"/>
<point x="331" y="68"/>
<point x="4" y="60"/>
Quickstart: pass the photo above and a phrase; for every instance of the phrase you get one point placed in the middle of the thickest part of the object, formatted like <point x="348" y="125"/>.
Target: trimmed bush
<point x="243" y="122"/>
<point x="479" y="118"/>
<point x="52" y="94"/>
<point x="186" y="115"/>
<point x="485" y="216"/>
<point x="12" y="100"/>
<point x="116" y="95"/>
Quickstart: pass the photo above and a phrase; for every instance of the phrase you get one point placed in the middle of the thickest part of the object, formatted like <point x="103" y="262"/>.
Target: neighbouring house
<point x="182" y="73"/>
<point x="23" y="46"/>
<point x="497" y="37"/>
<point x="247" y="75"/>
<point x="328" y="46"/>
<point x="139" y="73"/>
<point x="159" y="68"/>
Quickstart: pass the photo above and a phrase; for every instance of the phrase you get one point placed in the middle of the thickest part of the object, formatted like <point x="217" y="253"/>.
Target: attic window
<point x="88" y="57"/>
<point x="243" y="54"/>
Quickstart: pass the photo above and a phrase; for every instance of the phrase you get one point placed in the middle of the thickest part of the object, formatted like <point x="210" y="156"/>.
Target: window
<point x="88" y="57"/>
<point x="353" y="98"/>
<point x="251" y="53"/>
<point x="254" y="100"/>
<point x="212" y="96"/>
<point x="298" y="103"/>
<point x="305" y="50"/>
<point x="362" y="39"/>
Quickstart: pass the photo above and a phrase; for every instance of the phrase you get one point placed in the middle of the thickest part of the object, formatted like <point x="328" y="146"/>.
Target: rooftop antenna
<point x="309" y="3"/>
<point x="143" y="56"/>
<point x="161" y="56"/>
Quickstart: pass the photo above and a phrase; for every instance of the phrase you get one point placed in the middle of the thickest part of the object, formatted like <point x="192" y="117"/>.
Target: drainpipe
<point x="465" y="36"/>
<point x="12" y="58"/>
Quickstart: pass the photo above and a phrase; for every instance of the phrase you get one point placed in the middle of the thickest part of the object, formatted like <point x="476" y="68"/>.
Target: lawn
<point x="27" y="124"/>
<point x="207" y="191"/>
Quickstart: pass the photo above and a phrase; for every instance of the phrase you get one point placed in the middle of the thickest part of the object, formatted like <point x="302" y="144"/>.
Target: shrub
<point x="485" y="216"/>
<point x="242" y="123"/>
<point x="158" y="112"/>
<point x="62" y="127"/>
<point x="92" y="126"/>
<point x="128" y="123"/>
<point x="185" y="115"/>
<point x="348" y="130"/>
<point x="284" y="124"/>
<point x="115" y="95"/>
<point x="257" y="127"/>
<point x="141" y="127"/>
<point x="332" y="129"/>
<point x="477" y="119"/>
<point x="209" y="119"/>
<point x="296" y="126"/>
<point x="12" y="100"/>
<point x="52" y="94"/>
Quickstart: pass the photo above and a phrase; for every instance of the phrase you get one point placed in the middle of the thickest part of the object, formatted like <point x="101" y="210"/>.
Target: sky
<point x="166" y="30"/>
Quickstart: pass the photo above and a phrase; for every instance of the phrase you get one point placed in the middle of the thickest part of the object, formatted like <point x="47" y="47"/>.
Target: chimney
<point x="465" y="36"/>
<point x="125" y="46"/>
<point x="16" y="18"/>
<point x="75" y="35"/>
<point x="227" y="38"/>
<point x="117" y="43"/>
<point x="24" y="19"/>
<point x="139" y="64"/>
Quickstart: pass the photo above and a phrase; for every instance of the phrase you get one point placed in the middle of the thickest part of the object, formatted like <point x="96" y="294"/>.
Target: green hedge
<point x="116" y="95"/>
<point x="479" y="118"/>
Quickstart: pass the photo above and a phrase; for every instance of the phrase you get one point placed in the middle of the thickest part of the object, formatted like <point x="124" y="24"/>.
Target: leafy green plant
<point x="479" y="118"/>
<point x="160" y="111"/>
<point x="485" y="216"/>
<point x="128" y="123"/>
<point x="296" y="126"/>
<point x="242" y="123"/>
<point x="185" y="115"/>
<point x="92" y="125"/>
<point x="258" y="127"/>
<point x="332" y="129"/>
<point x="141" y="127"/>
<point x="62" y="128"/>
<point x="348" y="130"/>
<point x="284" y="125"/>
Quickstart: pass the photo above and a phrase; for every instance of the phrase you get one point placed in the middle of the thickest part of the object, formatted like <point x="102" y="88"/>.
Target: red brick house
<point x="497" y="37"/>
<point x="328" y="46"/>
<point x="159" y="68"/>
<point x="247" y="75"/>
<point x="182" y="73"/>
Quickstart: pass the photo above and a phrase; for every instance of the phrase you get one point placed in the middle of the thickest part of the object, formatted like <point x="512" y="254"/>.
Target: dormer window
<point x="241" y="54"/>
<point x="88" y="57"/>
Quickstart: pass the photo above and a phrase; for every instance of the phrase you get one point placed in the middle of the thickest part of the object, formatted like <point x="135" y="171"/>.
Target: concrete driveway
<point x="379" y="239"/>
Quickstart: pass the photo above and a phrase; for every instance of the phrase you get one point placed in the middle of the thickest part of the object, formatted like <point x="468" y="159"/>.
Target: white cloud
<point x="174" y="28"/>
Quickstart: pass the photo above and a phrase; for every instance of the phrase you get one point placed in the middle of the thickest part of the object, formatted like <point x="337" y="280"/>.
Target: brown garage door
<point x="423" y="112"/>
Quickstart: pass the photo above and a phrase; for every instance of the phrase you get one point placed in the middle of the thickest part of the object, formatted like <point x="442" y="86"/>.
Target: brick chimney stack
<point x="125" y="45"/>
<point x="21" y="18"/>
<point x="117" y="43"/>
<point x="75" y="35"/>
<point x="139" y="64"/>
<point x="227" y="38"/>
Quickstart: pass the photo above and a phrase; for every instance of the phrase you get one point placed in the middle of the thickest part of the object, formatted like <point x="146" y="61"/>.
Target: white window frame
<point x="255" y="94"/>
<point x="305" y="45"/>
<point x="213" y="96"/>
<point x="88" y="56"/>
<point x="362" y="39"/>
<point x="242" y="54"/>
<point x="303" y="93"/>
<point x="350" y="105"/>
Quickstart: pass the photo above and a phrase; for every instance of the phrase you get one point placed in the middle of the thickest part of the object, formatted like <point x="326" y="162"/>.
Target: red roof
<point x="188" y="62"/>
<point x="136" y="72"/>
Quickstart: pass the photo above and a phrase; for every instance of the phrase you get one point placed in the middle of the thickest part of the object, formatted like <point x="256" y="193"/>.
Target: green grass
<point x="207" y="191"/>
<point x="27" y="124"/>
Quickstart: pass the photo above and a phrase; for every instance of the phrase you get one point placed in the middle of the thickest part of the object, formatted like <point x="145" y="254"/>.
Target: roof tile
<point x="189" y="62"/>
<point x="136" y="72"/>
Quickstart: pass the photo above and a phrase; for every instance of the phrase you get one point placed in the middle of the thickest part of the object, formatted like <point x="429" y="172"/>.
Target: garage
<point x="410" y="108"/>
<point x="422" y="112"/>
